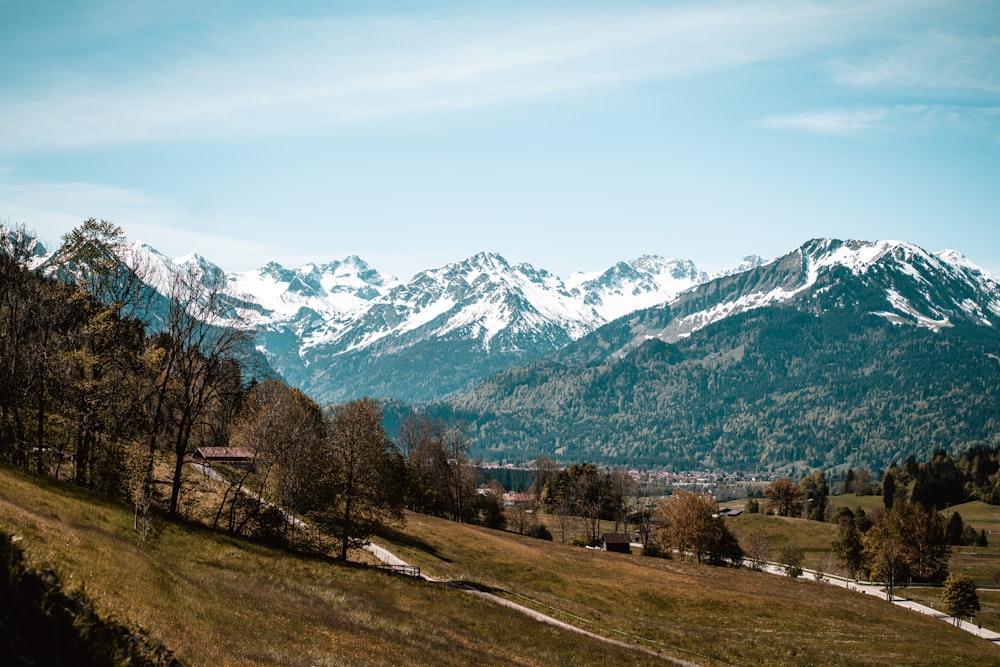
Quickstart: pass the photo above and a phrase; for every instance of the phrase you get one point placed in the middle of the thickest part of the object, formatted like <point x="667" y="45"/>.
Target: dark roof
<point x="616" y="538"/>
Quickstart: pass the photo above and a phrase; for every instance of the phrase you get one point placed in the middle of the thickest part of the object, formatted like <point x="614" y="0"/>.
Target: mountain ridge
<point x="327" y="327"/>
<point x="838" y="351"/>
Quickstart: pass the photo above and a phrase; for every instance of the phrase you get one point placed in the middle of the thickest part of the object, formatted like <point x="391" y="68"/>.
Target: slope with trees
<point x="766" y="388"/>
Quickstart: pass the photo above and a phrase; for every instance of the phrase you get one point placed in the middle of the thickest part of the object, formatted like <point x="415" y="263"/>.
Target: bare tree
<point x="759" y="549"/>
<point x="279" y="427"/>
<point x="198" y="375"/>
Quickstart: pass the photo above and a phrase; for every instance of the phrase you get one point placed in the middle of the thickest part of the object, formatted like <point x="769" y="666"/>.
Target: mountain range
<point x="343" y="330"/>
<point x="836" y="352"/>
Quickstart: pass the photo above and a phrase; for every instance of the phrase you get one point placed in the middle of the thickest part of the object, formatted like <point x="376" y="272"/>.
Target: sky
<point x="569" y="135"/>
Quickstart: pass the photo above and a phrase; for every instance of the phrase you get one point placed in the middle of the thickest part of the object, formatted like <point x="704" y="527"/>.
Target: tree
<point x="620" y="487"/>
<point x="815" y="494"/>
<point x="364" y="480"/>
<point x="888" y="489"/>
<point x="792" y="558"/>
<point x="106" y="349"/>
<point x="441" y="480"/>
<point x="195" y="359"/>
<point x="848" y="547"/>
<point x="521" y="516"/>
<point x="282" y="427"/>
<point x="885" y="555"/>
<point x="427" y="466"/>
<point x="906" y="541"/>
<point x="955" y="528"/>
<point x="581" y="492"/>
<point x="783" y="498"/>
<point x="690" y="523"/>
<point x="759" y="549"/>
<point x="960" y="597"/>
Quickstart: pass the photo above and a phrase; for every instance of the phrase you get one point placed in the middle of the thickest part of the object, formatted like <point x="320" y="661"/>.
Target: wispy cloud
<point x="937" y="61"/>
<point x="830" y="121"/>
<point x="293" y="75"/>
<point x="898" y="118"/>
<point x="53" y="208"/>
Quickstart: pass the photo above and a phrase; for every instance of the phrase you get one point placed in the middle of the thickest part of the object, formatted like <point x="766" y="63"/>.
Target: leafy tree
<point x="815" y="494"/>
<point x="888" y="489"/>
<point x="906" y="541"/>
<point x="364" y="480"/>
<point x="690" y="523"/>
<point x="959" y="596"/>
<point x="848" y="547"/>
<point x="792" y="558"/>
<point x="783" y="498"/>
<point x="955" y="529"/>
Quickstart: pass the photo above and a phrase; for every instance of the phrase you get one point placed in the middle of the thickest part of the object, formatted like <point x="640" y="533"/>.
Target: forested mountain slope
<point x="854" y="353"/>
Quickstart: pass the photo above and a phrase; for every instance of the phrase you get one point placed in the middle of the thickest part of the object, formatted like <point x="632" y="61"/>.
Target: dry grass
<point x="221" y="601"/>
<point x="708" y="615"/>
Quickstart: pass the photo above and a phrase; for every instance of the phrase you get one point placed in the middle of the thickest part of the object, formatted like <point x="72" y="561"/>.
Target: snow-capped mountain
<point x="386" y="338"/>
<point x="894" y="280"/>
<point x="342" y="329"/>
<point x="839" y="351"/>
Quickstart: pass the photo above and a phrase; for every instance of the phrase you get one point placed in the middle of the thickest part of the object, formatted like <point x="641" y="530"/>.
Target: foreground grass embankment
<point x="214" y="600"/>
<point x="712" y="616"/>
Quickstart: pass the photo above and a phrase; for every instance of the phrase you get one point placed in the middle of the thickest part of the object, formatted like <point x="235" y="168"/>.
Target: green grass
<point x="712" y="616"/>
<point x="867" y="503"/>
<point x="989" y="603"/>
<point x="222" y="601"/>
<point x="813" y="537"/>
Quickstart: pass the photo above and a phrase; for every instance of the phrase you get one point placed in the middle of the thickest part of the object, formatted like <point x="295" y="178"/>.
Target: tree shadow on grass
<point x="414" y="542"/>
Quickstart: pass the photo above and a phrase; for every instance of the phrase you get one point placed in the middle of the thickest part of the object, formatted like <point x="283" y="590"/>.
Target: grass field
<point x="704" y="614"/>
<point x="222" y="601"/>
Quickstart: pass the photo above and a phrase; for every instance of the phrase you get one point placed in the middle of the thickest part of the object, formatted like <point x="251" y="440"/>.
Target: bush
<point x="539" y="531"/>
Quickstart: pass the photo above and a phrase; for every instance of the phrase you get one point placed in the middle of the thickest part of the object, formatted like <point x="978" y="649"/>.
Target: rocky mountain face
<point x="838" y="352"/>
<point x="343" y="330"/>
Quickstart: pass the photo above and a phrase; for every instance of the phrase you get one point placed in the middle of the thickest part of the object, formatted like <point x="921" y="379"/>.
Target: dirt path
<point x="390" y="558"/>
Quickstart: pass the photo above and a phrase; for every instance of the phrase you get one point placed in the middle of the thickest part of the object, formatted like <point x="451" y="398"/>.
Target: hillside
<point x="805" y="361"/>
<point x="708" y="615"/>
<point x="220" y="601"/>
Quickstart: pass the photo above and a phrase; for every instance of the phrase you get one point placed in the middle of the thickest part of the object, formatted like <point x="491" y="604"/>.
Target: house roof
<point x="227" y="453"/>
<point x="616" y="538"/>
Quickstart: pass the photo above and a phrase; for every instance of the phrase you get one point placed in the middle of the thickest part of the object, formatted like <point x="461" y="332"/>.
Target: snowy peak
<point x="327" y="291"/>
<point x="892" y="279"/>
<point x="641" y="283"/>
<point x="16" y="242"/>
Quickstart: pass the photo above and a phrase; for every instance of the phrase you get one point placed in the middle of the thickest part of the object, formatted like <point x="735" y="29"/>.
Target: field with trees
<point x="159" y="483"/>
<point x="217" y="599"/>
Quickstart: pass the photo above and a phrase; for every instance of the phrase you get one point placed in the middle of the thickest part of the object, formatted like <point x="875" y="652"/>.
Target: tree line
<point x="113" y="385"/>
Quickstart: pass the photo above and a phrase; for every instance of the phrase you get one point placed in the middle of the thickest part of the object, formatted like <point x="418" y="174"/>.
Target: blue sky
<point x="569" y="135"/>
